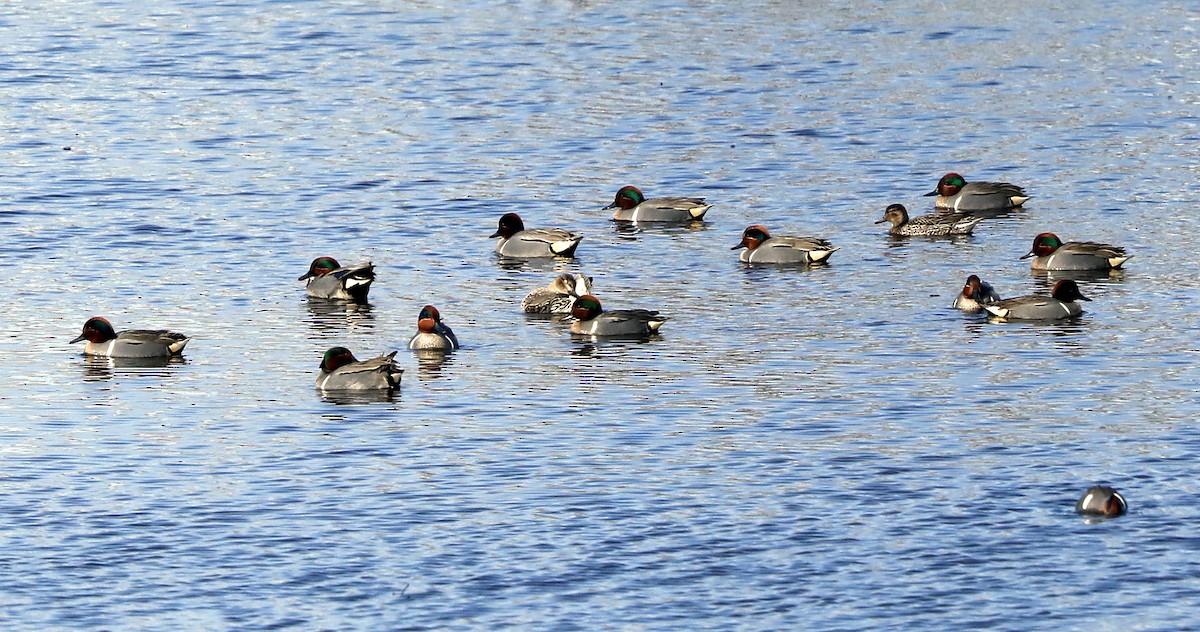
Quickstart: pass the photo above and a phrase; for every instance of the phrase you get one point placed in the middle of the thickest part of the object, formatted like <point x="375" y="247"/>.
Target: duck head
<point x="336" y="358"/>
<point x="1067" y="290"/>
<point x="950" y="184"/>
<point x="96" y="330"/>
<point x="627" y="198"/>
<point x="973" y="287"/>
<point x="1044" y="245"/>
<point x="586" y="307"/>
<point x="509" y="225"/>
<point x="894" y="213"/>
<point x="753" y="237"/>
<point x="320" y="267"/>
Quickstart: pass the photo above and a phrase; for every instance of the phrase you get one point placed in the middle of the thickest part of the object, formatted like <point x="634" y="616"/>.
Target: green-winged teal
<point x="103" y="340"/>
<point x="632" y="206"/>
<point x="528" y="243"/>
<point x="341" y="371"/>
<point x="594" y="321"/>
<point x="761" y="247"/>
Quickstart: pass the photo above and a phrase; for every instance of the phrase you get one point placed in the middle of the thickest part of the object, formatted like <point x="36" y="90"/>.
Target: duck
<point x="976" y="293"/>
<point x="927" y="225"/>
<point x="1101" y="500"/>
<point x="761" y="247"/>
<point x="1062" y="303"/>
<point x="432" y="334"/>
<point x="954" y="193"/>
<point x="329" y="280"/>
<point x="104" y="341"/>
<point x="519" y="242"/>
<point x="592" y="320"/>
<point x="558" y="296"/>
<point x="341" y="371"/>
<point x="632" y="206"/>
<point x="1050" y="253"/>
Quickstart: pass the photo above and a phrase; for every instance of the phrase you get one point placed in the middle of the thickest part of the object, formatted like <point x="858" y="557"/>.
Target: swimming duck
<point x="103" y="340"/>
<point x="594" y="321"/>
<point x="327" y="279"/>
<point x="975" y="294"/>
<point x="935" y="225"/>
<point x="432" y="334"/>
<point x="559" y="296"/>
<point x="518" y="241"/>
<point x="1060" y="304"/>
<point x="632" y="206"/>
<point x="1100" y="500"/>
<point x="761" y="247"/>
<point x="341" y="371"/>
<point x="956" y="194"/>
<point x="1050" y="253"/>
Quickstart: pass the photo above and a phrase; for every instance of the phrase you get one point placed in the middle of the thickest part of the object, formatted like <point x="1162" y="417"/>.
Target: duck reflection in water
<point x="337" y="316"/>
<point x="431" y="364"/>
<point x="350" y="398"/>
<point x="100" y="368"/>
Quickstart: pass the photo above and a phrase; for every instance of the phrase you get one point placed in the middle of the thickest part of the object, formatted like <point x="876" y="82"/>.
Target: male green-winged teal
<point x="1062" y="303"/>
<point x="103" y="340"/>
<point x="956" y="194"/>
<point x="761" y="247"/>
<point x="594" y="321"/>
<point x="976" y="293"/>
<point x="1100" y="500"/>
<point x="328" y="280"/>
<point x="632" y="206"/>
<point x="341" y="371"/>
<point x="1050" y="253"/>
<point x="528" y="243"/>
<point x="432" y="334"/>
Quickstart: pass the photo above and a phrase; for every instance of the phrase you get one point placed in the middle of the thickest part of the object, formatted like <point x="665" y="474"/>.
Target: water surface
<point x="830" y="448"/>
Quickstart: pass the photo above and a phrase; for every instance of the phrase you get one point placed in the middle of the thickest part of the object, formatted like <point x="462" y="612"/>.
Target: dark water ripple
<point x="830" y="448"/>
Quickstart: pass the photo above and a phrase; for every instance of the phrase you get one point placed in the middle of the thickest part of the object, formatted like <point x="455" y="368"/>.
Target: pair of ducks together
<point x="956" y="204"/>
<point x="519" y="242"/>
<point x="1049" y="253"/>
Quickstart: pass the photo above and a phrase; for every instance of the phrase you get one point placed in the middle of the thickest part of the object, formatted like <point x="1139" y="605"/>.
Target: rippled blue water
<point x="831" y="448"/>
